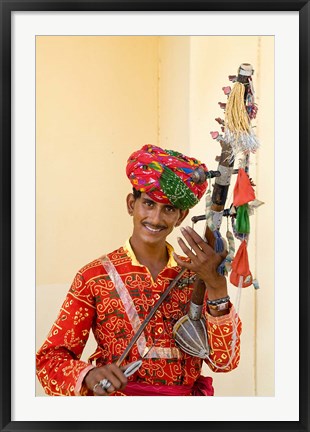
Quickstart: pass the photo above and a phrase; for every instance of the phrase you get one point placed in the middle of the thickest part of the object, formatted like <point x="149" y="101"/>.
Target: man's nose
<point x="157" y="216"/>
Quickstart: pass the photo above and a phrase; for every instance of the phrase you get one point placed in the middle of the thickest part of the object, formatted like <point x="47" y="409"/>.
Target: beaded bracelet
<point x="218" y="301"/>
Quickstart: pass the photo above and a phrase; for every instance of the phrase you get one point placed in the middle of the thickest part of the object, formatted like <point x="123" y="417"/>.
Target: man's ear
<point x="183" y="214"/>
<point x="130" y="200"/>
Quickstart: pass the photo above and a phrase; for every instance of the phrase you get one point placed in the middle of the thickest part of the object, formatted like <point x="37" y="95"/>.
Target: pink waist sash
<point x="202" y="387"/>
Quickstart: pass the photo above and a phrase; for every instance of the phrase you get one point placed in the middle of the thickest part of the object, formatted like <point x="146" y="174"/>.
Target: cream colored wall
<point x="174" y="97"/>
<point x="98" y="99"/>
<point x="265" y="220"/>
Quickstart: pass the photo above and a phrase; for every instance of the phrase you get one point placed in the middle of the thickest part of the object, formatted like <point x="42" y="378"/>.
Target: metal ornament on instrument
<point x="216" y="218"/>
<point x="190" y="333"/>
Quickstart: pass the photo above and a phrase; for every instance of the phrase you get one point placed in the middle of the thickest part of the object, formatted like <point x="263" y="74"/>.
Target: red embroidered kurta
<point x="112" y="296"/>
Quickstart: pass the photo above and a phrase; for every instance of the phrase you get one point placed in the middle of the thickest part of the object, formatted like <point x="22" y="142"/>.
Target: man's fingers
<point x="98" y="390"/>
<point x="191" y="236"/>
<point x="186" y="250"/>
<point x="195" y="241"/>
<point x="107" y="379"/>
<point x="182" y="263"/>
<point x="105" y="387"/>
<point x="118" y="375"/>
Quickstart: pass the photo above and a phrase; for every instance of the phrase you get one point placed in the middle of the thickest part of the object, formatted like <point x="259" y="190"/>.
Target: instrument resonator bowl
<point x="191" y="336"/>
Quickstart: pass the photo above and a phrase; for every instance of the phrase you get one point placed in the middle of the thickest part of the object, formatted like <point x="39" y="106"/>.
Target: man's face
<point x="153" y="221"/>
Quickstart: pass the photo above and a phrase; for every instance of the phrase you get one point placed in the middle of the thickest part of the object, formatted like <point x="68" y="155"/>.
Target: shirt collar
<point x="129" y="251"/>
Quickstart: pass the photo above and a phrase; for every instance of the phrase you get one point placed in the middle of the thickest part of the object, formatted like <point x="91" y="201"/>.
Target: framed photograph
<point x="84" y="84"/>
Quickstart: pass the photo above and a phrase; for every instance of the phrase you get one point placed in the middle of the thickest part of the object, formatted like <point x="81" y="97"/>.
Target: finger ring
<point x="105" y="384"/>
<point x="95" y="386"/>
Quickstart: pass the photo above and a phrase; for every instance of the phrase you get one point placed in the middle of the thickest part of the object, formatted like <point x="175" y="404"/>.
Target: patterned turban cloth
<point x="165" y="176"/>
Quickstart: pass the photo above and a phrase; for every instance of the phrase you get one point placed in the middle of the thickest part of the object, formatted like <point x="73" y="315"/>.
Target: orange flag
<point x="240" y="267"/>
<point x="243" y="191"/>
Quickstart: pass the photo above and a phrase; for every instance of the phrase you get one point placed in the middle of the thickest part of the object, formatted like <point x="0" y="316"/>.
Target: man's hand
<point x="112" y="373"/>
<point x="204" y="262"/>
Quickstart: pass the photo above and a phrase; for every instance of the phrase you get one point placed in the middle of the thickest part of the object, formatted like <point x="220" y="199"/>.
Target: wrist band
<point x="219" y="307"/>
<point x="216" y="302"/>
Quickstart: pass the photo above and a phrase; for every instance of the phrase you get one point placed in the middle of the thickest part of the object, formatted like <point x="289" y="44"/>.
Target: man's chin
<point x="154" y="238"/>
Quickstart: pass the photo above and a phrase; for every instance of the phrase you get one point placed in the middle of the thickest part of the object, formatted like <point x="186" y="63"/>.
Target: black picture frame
<point x="9" y="6"/>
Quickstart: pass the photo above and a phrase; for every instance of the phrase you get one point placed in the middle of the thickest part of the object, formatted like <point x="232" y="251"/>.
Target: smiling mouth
<point x="153" y="229"/>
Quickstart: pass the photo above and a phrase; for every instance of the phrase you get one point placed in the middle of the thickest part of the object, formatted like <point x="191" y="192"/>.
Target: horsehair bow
<point x="238" y="139"/>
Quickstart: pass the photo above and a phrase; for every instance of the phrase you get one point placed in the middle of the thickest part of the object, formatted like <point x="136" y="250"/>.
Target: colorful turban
<point x="165" y="176"/>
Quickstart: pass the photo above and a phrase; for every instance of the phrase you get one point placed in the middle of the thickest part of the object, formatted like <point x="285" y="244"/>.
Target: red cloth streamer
<point x="202" y="387"/>
<point x="240" y="267"/>
<point x="243" y="191"/>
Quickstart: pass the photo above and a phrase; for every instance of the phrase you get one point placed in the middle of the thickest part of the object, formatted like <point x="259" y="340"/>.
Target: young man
<point x="113" y="295"/>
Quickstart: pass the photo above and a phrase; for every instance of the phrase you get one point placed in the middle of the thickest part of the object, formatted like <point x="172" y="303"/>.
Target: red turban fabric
<point x="166" y="176"/>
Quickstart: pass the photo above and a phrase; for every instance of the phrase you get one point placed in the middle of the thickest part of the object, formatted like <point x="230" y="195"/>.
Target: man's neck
<point x="154" y="257"/>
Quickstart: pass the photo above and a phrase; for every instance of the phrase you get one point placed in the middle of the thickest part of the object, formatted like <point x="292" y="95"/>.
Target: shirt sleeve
<point x="58" y="365"/>
<point x="224" y="341"/>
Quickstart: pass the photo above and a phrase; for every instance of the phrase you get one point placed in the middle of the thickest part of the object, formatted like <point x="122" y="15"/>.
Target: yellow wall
<point x="100" y="98"/>
<point x="97" y="101"/>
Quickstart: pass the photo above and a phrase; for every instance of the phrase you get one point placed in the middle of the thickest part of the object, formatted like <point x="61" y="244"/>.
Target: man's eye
<point x="170" y="209"/>
<point x="149" y="203"/>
